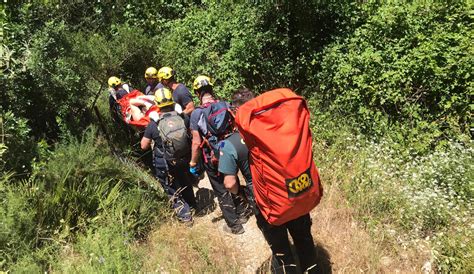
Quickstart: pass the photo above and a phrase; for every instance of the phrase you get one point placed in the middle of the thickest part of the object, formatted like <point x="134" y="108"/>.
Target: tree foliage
<point x="410" y="64"/>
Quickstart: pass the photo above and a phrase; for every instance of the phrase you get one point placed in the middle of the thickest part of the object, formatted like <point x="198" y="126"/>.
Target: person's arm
<point x="182" y="96"/>
<point x="195" y="152"/>
<point x="189" y="108"/>
<point x="149" y="98"/>
<point x="231" y="184"/>
<point x="145" y="143"/>
<point x="228" y="166"/>
<point x="111" y="102"/>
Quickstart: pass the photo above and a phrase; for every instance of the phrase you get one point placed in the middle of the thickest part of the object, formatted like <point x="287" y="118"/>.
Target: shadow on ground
<point x="205" y="201"/>
<point x="323" y="264"/>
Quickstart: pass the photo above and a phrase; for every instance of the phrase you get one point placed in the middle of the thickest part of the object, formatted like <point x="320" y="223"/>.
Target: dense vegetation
<point x="389" y="84"/>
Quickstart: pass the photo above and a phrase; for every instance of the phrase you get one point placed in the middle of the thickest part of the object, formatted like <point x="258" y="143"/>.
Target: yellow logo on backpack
<point x="300" y="184"/>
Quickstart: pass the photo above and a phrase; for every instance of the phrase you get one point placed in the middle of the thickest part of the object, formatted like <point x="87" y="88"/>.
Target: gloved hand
<point x="194" y="170"/>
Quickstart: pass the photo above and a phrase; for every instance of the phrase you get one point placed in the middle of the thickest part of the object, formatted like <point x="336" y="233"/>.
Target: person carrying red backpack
<point x="275" y="128"/>
<point x="209" y="124"/>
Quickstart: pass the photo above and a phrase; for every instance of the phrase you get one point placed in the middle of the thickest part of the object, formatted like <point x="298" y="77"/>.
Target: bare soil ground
<point x="250" y="247"/>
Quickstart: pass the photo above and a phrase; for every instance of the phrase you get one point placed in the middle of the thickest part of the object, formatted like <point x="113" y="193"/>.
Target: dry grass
<point x="350" y="247"/>
<point x="70" y="259"/>
<point x="343" y="246"/>
<point x="173" y="247"/>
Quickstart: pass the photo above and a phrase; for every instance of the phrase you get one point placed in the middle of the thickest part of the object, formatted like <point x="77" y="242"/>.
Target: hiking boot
<point x="242" y="220"/>
<point x="244" y="216"/>
<point x="186" y="221"/>
<point x="235" y="229"/>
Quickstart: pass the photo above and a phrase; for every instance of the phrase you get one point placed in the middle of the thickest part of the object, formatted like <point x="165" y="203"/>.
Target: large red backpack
<point x="275" y="127"/>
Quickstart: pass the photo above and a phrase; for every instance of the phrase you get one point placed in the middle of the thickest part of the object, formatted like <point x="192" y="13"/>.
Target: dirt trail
<point x="342" y="244"/>
<point x="250" y="247"/>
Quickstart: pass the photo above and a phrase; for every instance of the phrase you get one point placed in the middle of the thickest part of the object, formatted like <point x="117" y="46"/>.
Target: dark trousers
<point x="277" y="238"/>
<point x="231" y="205"/>
<point x="177" y="184"/>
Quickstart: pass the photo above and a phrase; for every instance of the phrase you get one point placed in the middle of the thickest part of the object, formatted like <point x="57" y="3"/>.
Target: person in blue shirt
<point x="181" y="94"/>
<point x="233" y="157"/>
<point x="231" y="205"/>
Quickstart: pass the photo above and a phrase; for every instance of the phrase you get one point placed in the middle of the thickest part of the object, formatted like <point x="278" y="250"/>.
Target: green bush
<point x="259" y="46"/>
<point x="77" y="188"/>
<point x="124" y="52"/>
<point x="18" y="148"/>
<point x="17" y="225"/>
<point x="93" y="182"/>
<point x="453" y="251"/>
<point x="207" y="41"/>
<point x="408" y="64"/>
<point x="45" y="89"/>
<point x="107" y="248"/>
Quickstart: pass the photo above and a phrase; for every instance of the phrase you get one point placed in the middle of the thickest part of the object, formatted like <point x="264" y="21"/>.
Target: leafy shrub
<point x="17" y="144"/>
<point x="409" y="63"/>
<point x="125" y="52"/>
<point x="262" y="46"/>
<point x="93" y="182"/>
<point x="79" y="187"/>
<point x="453" y="250"/>
<point x="106" y="248"/>
<point x="206" y="41"/>
<point x="46" y="86"/>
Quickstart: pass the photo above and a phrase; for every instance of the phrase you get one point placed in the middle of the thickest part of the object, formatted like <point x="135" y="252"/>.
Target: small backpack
<point x="275" y="127"/>
<point x="174" y="136"/>
<point x="219" y="123"/>
<point x="218" y="118"/>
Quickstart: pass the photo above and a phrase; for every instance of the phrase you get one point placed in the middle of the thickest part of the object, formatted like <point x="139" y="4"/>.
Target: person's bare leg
<point x="136" y="102"/>
<point x="136" y="113"/>
<point x="142" y="101"/>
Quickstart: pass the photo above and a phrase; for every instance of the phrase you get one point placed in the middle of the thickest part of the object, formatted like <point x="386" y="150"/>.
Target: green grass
<point x="80" y="194"/>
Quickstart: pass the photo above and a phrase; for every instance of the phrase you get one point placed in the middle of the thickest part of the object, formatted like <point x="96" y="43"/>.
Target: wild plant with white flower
<point x="410" y="198"/>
